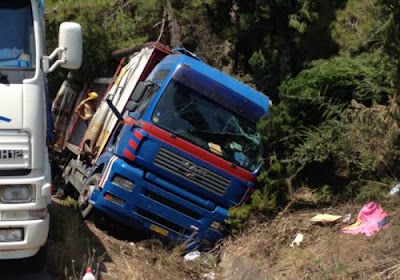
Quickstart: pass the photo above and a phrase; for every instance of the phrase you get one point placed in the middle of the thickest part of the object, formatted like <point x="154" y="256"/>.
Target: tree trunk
<point x="284" y="42"/>
<point x="173" y="26"/>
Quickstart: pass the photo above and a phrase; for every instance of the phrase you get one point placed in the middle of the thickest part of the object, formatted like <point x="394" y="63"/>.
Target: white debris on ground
<point x="191" y="256"/>
<point x="298" y="239"/>
<point x="209" y="276"/>
<point x="325" y="218"/>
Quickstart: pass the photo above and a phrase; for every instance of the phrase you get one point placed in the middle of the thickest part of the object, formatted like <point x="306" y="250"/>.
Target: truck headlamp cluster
<point x="24" y="215"/>
<point x="16" y="193"/>
<point x="218" y="226"/>
<point x="123" y="183"/>
<point x="11" y="235"/>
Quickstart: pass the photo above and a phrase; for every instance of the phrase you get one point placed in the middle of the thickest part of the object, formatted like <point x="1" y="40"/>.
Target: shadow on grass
<point x="72" y="246"/>
<point x="117" y="229"/>
<point x="18" y="270"/>
<point x="70" y="249"/>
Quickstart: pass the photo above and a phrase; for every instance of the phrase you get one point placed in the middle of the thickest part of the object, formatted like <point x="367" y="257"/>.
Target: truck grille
<point x="160" y="220"/>
<point x="15" y="150"/>
<point x="192" y="172"/>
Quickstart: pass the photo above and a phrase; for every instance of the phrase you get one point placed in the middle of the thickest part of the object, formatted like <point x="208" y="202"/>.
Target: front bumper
<point x="159" y="206"/>
<point x="35" y="231"/>
<point x="35" y="236"/>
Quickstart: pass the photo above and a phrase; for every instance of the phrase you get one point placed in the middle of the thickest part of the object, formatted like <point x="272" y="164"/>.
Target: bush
<point x="264" y="199"/>
<point x="335" y="126"/>
<point x="372" y="191"/>
<point x="107" y="26"/>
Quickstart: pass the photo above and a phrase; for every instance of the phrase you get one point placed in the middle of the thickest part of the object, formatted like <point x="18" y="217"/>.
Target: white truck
<point x="25" y="179"/>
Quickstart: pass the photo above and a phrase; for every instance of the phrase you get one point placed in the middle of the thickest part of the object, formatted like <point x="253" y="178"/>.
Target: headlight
<point x="16" y="193"/>
<point x="22" y="215"/>
<point x="123" y="183"/>
<point x="218" y="226"/>
<point x="9" y="235"/>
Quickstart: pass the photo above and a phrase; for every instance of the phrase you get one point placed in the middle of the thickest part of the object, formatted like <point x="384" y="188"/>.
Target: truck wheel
<point x="83" y="201"/>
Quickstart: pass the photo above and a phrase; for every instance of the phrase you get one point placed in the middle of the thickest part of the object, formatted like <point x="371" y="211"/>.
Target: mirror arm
<point x="47" y="59"/>
<point x="135" y="115"/>
<point x="55" y="65"/>
<point x="151" y="83"/>
<point x="114" y="110"/>
<point x="56" y="52"/>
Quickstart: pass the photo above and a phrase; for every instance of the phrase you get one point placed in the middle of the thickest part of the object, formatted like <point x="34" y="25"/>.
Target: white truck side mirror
<point x="69" y="51"/>
<point x="70" y="40"/>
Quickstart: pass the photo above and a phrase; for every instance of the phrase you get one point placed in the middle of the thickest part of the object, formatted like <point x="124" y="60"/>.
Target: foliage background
<point x="331" y="69"/>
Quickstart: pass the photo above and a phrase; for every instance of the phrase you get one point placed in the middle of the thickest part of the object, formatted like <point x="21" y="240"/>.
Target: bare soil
<point x="262" y="251"/>
<point x="115" y="251"/>
<point x="325" y="253"/>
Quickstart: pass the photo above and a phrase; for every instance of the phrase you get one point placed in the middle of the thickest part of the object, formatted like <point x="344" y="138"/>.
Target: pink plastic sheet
<point x="371" y="219"/>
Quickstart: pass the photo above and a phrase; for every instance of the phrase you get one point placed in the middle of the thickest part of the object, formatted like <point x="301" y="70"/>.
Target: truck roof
<point x="258" y="99"/>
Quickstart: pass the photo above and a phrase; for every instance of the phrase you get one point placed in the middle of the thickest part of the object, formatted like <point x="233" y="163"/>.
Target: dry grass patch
<point x="121" y="253"/>
<point x="72" y="246"/>
<point x="325" y="253"/>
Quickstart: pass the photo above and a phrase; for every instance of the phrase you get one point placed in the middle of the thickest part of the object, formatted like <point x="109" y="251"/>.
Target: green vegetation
<point x="331" y="68"/>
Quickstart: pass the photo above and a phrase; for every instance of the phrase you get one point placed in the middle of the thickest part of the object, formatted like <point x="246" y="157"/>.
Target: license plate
<point x="159" y="230"/>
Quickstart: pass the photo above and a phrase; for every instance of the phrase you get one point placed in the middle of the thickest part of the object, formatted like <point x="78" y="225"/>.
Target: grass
<point x="73" y="247"/>
<point x="263" y="249"/>
<point x="326" y="252"/>
<point x="118" y="252"/>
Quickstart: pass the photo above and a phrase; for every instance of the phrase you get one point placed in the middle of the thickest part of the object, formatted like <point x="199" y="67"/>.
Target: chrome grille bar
<point x="192" y="172"/>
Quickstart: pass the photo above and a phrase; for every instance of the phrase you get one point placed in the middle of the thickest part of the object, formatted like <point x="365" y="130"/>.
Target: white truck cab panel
<point x="25" y="178"/>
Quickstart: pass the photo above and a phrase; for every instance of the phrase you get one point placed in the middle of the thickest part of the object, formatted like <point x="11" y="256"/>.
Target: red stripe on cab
<point x="199" y="153"/>
<point x="138" y="135"/>
<point x="246" y="199"/>
<point x="129" y="155"/>
<point x="133" y="144"/>
<point x="130" y="121"/>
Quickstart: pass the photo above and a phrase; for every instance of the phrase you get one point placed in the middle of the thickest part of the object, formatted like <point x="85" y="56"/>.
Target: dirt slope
<point x="326" y="252"/>
<point x="117" y="252"/>
<point x="261" y="252"/>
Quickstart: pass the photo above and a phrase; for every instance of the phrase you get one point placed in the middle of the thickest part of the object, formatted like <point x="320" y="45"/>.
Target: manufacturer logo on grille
<point x="11" y="154"/>
<point x="191" y="171"/>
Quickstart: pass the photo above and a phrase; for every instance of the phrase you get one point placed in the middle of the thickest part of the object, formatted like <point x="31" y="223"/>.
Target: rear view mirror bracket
<point x="114" y="110"/>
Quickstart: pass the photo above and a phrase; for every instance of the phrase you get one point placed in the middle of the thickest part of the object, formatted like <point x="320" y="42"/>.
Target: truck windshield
<point x="209" y="125"/>
<point x="17" y="43"/>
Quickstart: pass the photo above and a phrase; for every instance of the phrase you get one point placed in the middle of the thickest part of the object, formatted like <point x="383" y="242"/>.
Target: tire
<point x="84" y="195"/>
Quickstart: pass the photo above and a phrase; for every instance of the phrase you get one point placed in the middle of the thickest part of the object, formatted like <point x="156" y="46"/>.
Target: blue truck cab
<point x="188" y="150"/>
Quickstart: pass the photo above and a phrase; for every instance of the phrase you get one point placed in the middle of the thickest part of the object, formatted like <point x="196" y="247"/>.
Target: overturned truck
<point x="171" y="146"/>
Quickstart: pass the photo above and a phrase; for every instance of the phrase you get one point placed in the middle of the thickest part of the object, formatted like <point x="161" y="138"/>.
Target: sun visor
<point x="243" y="103"/>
